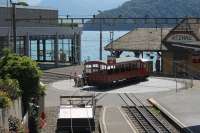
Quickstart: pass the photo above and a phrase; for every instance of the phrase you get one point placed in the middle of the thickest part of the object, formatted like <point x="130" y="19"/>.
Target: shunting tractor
<point x="114" y="70"/>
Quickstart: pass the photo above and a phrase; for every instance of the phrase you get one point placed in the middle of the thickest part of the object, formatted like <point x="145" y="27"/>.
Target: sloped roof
<point x="141" y="39"/>
<point x="187" y="26"/>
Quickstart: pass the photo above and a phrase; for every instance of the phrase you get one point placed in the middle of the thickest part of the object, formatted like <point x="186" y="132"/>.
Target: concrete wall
<point x="28" y="13"/>
<point x="15" y="110"/>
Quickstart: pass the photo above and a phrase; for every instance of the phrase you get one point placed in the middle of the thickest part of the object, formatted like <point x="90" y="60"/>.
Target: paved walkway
<point x="70" y="70"/>
<point x="184" y="106"/>
<point x="115" y="121"/>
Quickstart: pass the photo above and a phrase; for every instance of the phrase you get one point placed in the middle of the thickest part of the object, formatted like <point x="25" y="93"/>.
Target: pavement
<point x="152" y="84"/>
<point x="182" y="107"/>
<point x="115" y="121"/>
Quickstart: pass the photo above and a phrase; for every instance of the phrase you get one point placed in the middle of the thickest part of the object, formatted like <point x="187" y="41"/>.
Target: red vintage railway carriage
<point x="102" y="73"/>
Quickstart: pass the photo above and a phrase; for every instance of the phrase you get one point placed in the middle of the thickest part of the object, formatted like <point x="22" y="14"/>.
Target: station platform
<point x="182" y="107"/>
<point x="115" y="121"/>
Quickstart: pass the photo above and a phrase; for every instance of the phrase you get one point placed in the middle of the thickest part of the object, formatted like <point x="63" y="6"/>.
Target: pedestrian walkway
<point x="183" y="107"/>
<point x="115" y="121"/>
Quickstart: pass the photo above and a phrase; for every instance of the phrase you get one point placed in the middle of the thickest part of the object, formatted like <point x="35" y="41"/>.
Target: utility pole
<point x="101" y="43"/>
<point x="111" y="41"/>
<point x="101" y="37"/>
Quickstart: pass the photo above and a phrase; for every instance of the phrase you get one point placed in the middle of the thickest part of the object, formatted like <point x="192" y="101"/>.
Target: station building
<point x="40" y="35"/>
<point x="178" y="47"/>
<point x="183" y="44"/>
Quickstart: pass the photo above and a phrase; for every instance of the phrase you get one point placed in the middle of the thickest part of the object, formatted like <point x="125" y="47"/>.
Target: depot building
<point x="183" y="48"/>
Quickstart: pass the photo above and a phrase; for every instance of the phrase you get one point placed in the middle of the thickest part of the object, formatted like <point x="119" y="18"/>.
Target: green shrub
<point x="26" y="72"/>
<point x="11" y="86"/>
<point x="5" y="101"/>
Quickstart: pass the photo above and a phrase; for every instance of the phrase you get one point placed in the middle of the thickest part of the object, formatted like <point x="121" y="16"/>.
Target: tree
<point x="26" y="72"/>
<point x="22" y="3"/>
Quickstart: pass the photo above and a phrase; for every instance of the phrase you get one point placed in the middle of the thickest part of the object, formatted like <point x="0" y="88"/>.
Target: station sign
<point x="181" y="38"/>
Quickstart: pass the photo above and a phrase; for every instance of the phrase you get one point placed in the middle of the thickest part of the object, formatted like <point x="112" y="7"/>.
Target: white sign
<point x="181" y="38"/>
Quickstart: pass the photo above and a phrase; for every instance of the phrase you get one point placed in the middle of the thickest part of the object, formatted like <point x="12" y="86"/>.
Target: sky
<point x="77" y="7"/>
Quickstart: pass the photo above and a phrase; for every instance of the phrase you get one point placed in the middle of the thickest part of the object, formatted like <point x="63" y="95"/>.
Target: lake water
<point x="90" y="42"/>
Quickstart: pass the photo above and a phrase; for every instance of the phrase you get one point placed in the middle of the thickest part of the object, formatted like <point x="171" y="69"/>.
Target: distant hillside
<point x="156" y="8"/>
<point x="153" y="8"/>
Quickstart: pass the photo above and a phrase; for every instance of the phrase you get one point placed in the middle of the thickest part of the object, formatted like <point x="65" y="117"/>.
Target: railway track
<point x="141" y="116"/>
<point x="49" y="77"/>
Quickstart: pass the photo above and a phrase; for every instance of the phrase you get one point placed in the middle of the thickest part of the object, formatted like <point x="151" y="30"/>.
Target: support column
<point x="44" y="50"/>
<point x="78" y="49"/>
<point x="38" y="50"/>
<point x="9" y="42"/>
<point x="27" y="45"/>
<point x="56" y="50"/>
<point x="73" y="50"/>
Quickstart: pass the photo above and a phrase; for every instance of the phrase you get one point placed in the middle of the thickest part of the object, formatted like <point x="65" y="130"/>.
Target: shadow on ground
<point x="191" y="129"/>
<point x="114" y="86"/>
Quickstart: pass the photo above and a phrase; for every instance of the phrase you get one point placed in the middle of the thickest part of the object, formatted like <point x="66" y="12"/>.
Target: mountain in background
<point x="147" y="9"/>
<point x="155" y="8"/>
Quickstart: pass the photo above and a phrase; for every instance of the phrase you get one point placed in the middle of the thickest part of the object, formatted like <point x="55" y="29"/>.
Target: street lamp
<point x="14" y="24"/>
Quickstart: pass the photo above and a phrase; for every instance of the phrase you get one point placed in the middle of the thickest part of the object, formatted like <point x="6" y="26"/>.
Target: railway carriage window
<point x="141" y="65"/>
<point x="113" y="68"/>
<point x="138" y="65"/>
<point x="95" y="65"/>
<point x="123" y="68"/>
<point x="145" y="66"/>
<point x="102" y="67"/>
<point x="130" y="67"/>
<point x="88" y="69"/>
<point x="134" y="66"/>
<point x="109" y="69"/>
<point x="88" y="66"/>
<point x="126" y="66"/>
<point x="116" y="69"/>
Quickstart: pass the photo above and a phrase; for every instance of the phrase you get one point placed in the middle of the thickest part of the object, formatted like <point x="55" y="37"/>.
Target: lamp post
<point x="14" y="24"/>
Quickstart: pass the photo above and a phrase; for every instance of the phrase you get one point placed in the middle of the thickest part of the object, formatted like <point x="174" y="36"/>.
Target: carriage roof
<point x="118" y="60"/>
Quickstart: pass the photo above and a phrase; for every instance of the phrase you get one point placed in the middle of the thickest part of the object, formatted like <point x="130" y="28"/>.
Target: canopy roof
<point x="141" y="39"/>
